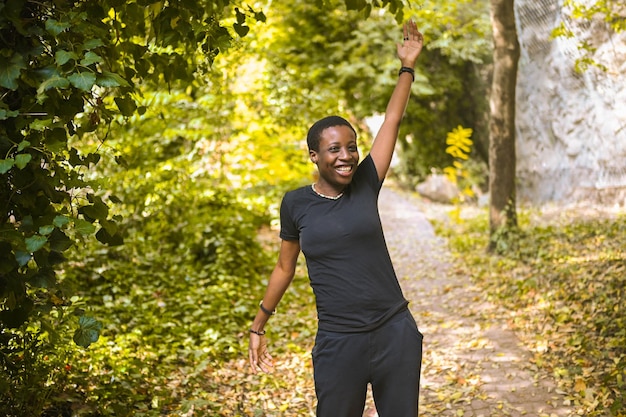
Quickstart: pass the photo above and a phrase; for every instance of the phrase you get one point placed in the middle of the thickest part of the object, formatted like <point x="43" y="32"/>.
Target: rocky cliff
<point x="571" y="126"/>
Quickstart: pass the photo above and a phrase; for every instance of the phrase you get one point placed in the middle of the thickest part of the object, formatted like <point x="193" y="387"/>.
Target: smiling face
<point x="336" y="159"/>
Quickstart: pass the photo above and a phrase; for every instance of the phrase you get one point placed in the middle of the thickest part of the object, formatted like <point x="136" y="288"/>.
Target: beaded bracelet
<point x="258" y="332"/>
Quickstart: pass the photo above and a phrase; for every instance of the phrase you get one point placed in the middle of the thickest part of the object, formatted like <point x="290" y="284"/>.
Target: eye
<point x="334" y="149"/>
<point x="352" y="148"/>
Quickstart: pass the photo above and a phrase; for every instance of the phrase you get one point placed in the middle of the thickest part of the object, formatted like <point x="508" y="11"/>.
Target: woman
<point x="366" y="333"/>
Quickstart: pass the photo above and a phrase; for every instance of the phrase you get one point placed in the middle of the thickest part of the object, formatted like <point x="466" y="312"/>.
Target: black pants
<point x="389" y="357"/>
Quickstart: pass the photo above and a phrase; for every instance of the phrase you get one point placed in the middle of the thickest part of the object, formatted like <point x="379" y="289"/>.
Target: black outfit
<point x="366" y="333"/>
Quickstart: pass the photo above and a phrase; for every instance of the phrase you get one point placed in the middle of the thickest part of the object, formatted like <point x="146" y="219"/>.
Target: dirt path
<point x="474" y="365"/>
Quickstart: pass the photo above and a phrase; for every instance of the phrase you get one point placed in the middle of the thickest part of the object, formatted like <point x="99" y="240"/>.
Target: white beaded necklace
<point x="324" y="195"/>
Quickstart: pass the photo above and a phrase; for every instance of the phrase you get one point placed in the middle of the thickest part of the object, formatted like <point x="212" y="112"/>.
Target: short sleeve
<point x="367" y="172"/>
<point x="288" y="227"/>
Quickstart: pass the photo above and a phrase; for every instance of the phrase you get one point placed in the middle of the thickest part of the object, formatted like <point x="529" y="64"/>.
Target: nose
<point x="344" y="153"/>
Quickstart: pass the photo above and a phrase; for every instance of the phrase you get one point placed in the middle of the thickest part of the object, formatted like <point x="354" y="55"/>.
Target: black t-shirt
<point x="351" y="273"/>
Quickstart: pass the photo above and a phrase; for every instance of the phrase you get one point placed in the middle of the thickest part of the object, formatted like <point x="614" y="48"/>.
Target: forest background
<point x="145" y="146"/>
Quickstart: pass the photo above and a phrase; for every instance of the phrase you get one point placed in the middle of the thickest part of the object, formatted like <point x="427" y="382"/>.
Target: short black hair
<point x="315" y="132"/>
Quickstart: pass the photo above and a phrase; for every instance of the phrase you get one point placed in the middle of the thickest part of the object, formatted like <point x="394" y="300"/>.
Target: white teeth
<point x="345" y="169"/>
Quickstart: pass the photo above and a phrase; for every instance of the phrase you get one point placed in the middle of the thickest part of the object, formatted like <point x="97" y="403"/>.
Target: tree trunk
<point x="502" y="122"/>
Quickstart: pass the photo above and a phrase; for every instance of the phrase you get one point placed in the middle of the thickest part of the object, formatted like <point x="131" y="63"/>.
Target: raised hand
<point x="410" y="49"/>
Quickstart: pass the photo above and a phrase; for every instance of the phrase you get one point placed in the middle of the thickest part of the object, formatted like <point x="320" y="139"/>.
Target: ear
<point x="313" y="156"/>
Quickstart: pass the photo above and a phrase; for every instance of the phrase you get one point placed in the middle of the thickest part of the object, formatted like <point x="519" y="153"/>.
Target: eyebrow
<point x="353" y="142"/>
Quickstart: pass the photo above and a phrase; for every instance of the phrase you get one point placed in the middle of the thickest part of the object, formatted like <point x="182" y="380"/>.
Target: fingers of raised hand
<point x="411" y="32"/>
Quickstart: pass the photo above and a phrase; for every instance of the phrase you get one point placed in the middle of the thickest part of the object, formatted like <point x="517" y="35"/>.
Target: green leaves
<point x="6" y="165"/>
<point x="96" y="211"/>
<point x="5" y="114"/>
<point x="85" y="62"/>
<point x="10" y="71"/>
<point x="126" y="105"/>
<point x="241" y="30"/>
<point x="22" y="257"/>
<point x="90" y="44"/>
<point x="53" y="82"/>
<point x="62" y="57"/>
<point x="605" y="10"/>
<point x="84" y="227"/>
<point x="22" y="145"/>
<point x="239" y="26"/>
<point x="88" y="331"/>
<point x="83" y="80"/>
<point x="20" y="161"/>
<point x="356" y="4"/>
<point x="55" y="27"/>
<point x="90" y="58"/>
<point x="110" y="79"/>
<point x="60" y="221"/>
<point x="34" y="243"/>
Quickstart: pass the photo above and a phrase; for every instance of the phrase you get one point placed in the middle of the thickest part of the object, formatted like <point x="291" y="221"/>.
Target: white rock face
<point x="571" y="127"/>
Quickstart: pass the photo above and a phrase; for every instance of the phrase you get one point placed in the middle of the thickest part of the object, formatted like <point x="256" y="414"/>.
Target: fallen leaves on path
<point x="563" y="287"/>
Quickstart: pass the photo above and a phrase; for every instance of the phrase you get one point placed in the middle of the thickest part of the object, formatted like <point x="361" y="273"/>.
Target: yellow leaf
<point x="580" y="385"/>
<point x="456" y="396"/>
<point x="468" y="192"/>
<point x="459" y="136"/>
<point x="450" y="174"/>
<point x="456" y="152"/>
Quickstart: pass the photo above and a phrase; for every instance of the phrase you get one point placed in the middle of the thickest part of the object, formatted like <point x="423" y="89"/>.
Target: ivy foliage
<point x="71" y="68"/>
<point x="69" y="71"/>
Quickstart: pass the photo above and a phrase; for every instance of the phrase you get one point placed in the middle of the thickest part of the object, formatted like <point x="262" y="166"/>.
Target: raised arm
<point x="281" y="277"/>
<point x="385" y="141"/>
